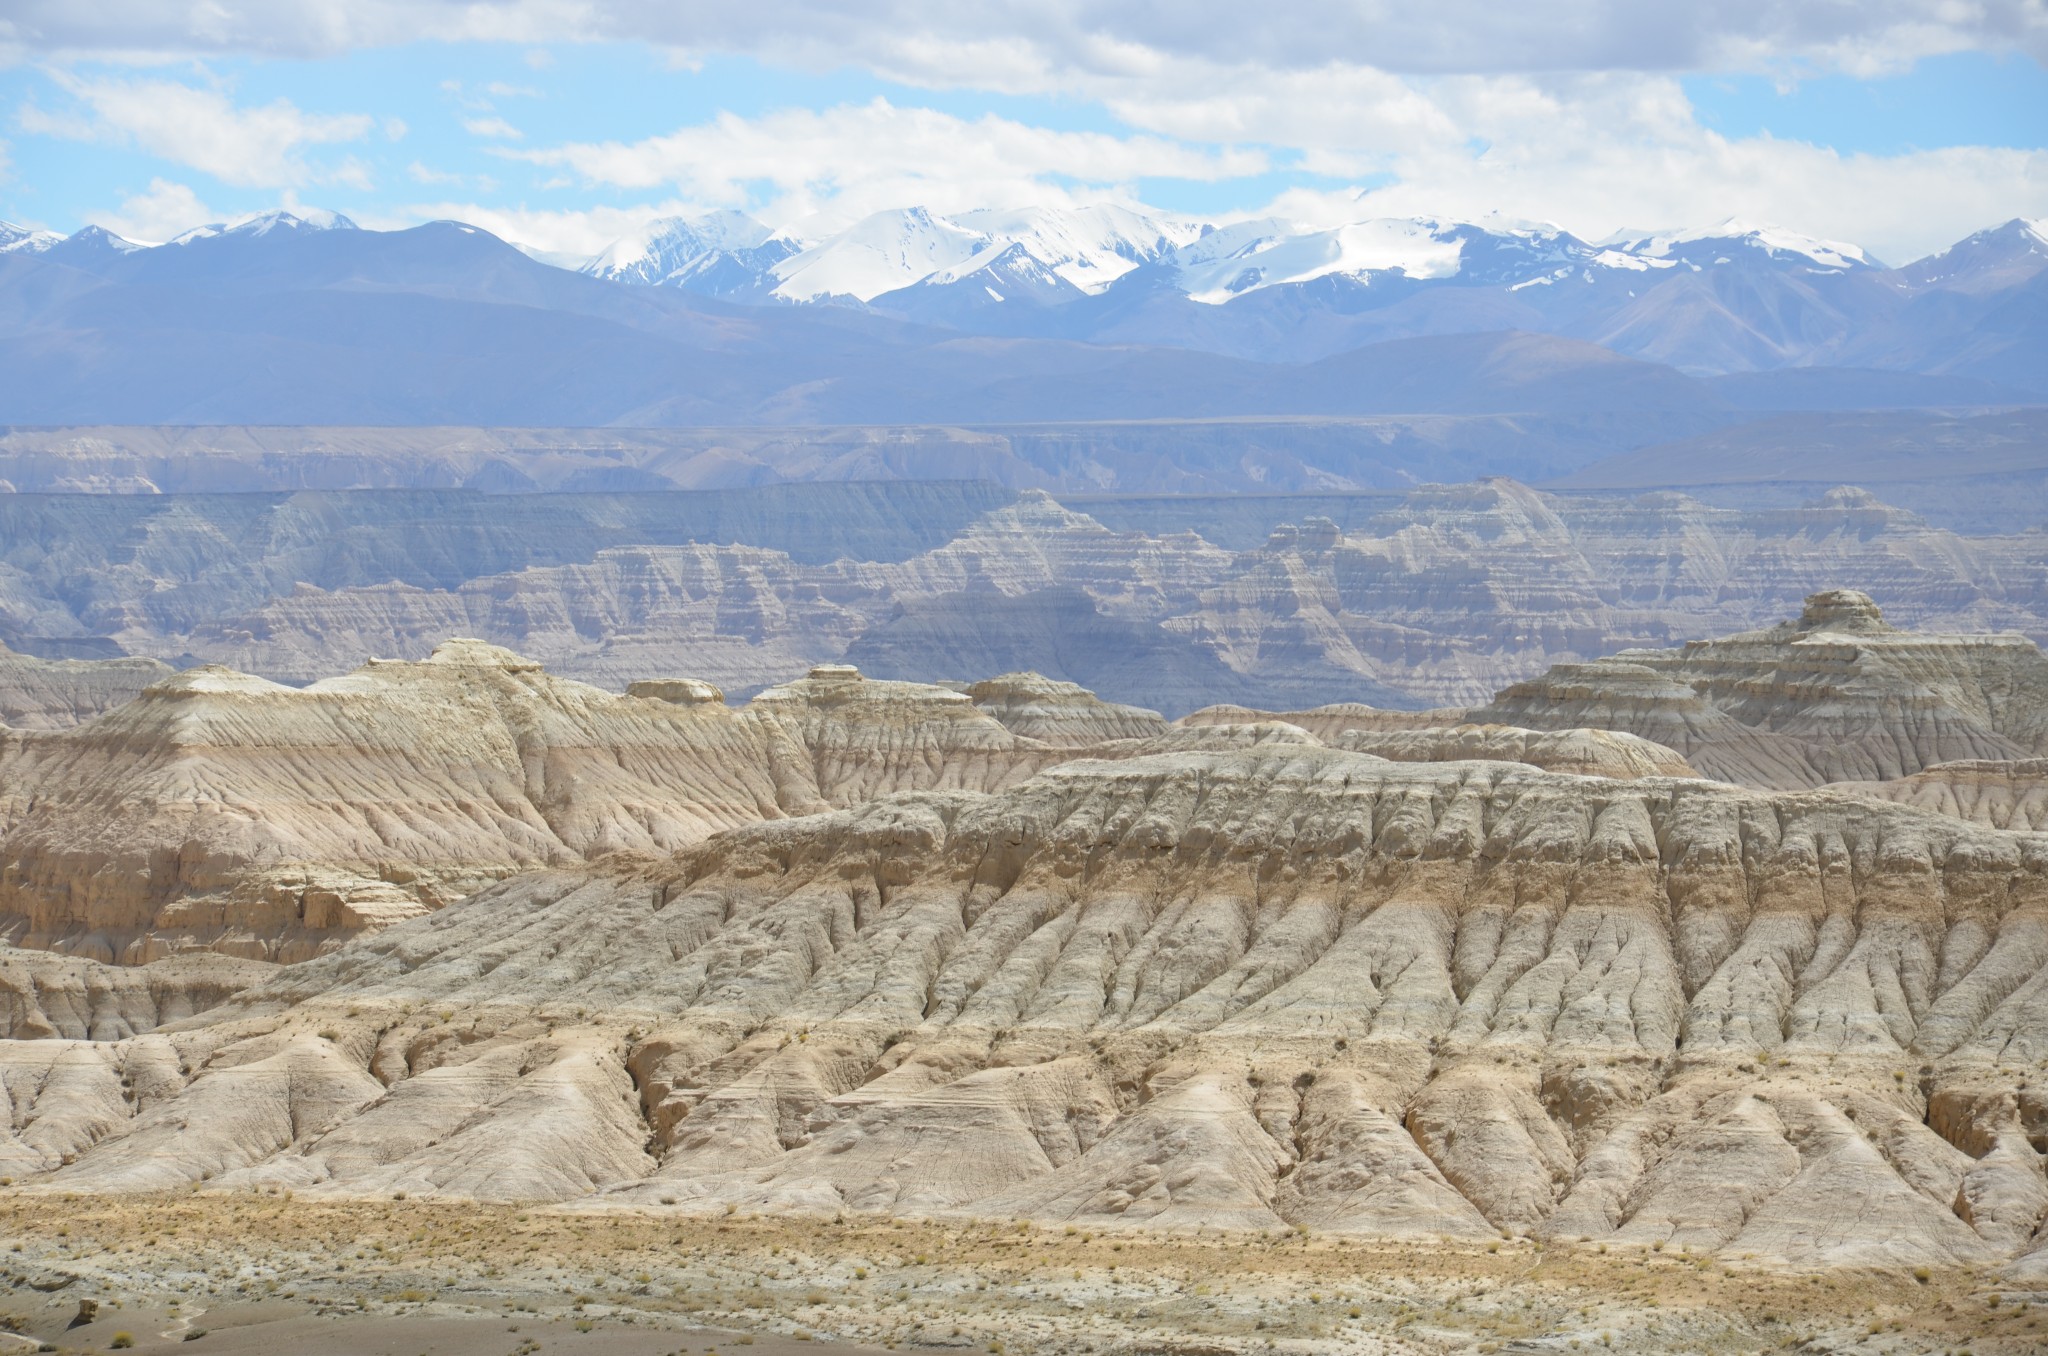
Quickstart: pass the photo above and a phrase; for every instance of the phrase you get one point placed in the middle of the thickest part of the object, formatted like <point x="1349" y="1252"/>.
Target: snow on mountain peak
<point x="302" y="219"/>
<point x="1248" y="255"/>
<point x="1775" y="241"/>
<point x="877" y="254"/>
<point x="266" y="223"/>
<point x="1089" y="246"/>
<point x="100" y="238"/>
<point x="682" y="238"/>
<point x="21" y="240"/>
<point x="678" y="249"/>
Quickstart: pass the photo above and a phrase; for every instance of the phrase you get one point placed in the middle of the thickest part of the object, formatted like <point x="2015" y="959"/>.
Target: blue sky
<point x="564" y="138"/>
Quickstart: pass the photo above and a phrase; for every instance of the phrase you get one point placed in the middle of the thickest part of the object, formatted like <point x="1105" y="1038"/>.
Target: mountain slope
<point x="1277" y="987"/>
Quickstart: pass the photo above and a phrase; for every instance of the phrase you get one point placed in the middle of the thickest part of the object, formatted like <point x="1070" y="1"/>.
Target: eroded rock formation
<point x="51" y="694"/>
<point x="45" y="996"/>
<point x="1441" y="600"/>
<point x="1283" y="985"/>
<point x="1584" y="753"/>
<point x="227" y="811"/>
<point x="2003" y="795"/>
<point x="1836" y="695"/>
<point x="1066" y="714"/>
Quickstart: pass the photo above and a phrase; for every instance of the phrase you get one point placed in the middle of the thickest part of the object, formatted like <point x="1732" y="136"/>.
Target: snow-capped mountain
<point x="1249" y="255"/>
<point x="1733" y="298"/>
<point x="1736" y="239"/>
<point x="723" y="253"/>
<point x="93" y="242"/>
<point x="20" y="239"/>
<point x="1089" y="246"/>
<point x="266" y="223"/>
<point x="1096" y="246"/>
<point x="1737" y="296"/>
<point x="2002" y="256"/>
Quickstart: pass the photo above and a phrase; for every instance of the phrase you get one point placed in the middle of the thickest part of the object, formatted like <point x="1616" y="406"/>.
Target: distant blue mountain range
<point x="1092" y="313"/>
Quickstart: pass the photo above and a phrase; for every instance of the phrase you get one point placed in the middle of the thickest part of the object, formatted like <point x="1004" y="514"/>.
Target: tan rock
<point x="1836" y="695"/>
<point x="1065" y="714"/>
<point x="51" y="694"/>
<point x="1275" y="985"/>
<point x="223" y="810"/>
<point x="1584" y="753"/>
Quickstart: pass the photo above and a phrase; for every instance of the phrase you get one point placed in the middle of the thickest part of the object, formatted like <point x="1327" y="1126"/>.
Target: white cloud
<point x="166" y="209"/>
<point x="1040" y="44"/>
<point x="202" y="129"/>
<point x="494" y="129"/>
<point x="1597" y="153"/>
<point x="1899" y="207"/>
<point x="848" y="161"/>
<point x="1562" y="109"/>
<point x="581" y="232"/>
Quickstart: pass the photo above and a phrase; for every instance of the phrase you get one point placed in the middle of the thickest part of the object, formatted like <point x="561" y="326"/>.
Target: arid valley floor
<point x="404" y="1276"/>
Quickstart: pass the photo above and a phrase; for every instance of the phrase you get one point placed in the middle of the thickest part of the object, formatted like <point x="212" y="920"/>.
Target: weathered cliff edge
<point x="1836" y="695"/>
<point x="219" y="810"/>
<point x="1280" y="985"/>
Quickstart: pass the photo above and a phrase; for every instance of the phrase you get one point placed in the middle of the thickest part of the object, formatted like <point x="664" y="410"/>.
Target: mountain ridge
<point x="988" y="316"/>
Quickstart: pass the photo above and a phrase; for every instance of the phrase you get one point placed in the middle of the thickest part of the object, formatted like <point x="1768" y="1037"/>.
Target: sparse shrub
<point x="122" y="1341"/>
<point x="1922" y="1275"/>
<point x="194" y="1334"/>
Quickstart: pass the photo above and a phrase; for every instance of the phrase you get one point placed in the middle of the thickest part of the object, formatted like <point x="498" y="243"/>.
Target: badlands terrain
<point x="1437" y="596"/>
<point x="996" y="1013"/>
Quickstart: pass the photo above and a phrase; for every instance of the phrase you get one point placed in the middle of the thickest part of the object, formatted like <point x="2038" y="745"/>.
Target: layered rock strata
<point x="1065" y="714"/>
<point x="225" y="811"/>
<point x="52" y="694"/>
<point x="1836" y="695"/>
<point x="1439" y="600"/>
<point x="1284" y="986"/>
<point x="1583" y="753"/>
<point x="2000" y="794"/>
<point x="44" y="996"/>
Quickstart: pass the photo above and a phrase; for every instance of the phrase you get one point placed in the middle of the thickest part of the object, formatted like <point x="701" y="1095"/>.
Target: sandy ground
<point x="269" y="1274"/>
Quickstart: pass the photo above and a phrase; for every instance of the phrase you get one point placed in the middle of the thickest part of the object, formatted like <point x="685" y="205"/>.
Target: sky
<point x="1899" y="125"/>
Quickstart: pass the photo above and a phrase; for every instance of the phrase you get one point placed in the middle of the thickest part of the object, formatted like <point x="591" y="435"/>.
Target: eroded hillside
<point x="1286" y="985"/>
<point x="1835" y="695"/>
<point x="1440" y="599"/>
